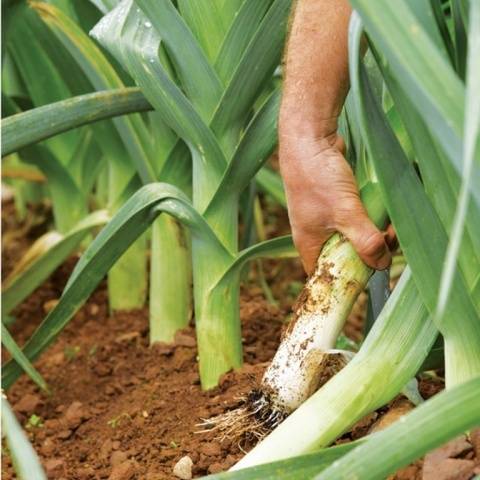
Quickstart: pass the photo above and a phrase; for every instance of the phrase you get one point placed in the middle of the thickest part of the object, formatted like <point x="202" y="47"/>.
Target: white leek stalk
<point x="390" y="356"/>
<point x="296" y="371"/>
<point x="304" y="358"/>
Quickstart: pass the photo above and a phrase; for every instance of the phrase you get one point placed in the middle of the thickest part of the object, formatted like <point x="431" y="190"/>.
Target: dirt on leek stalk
<point x="121" y="410"/>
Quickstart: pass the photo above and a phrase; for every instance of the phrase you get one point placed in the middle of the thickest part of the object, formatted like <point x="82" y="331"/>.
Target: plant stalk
<point x="170" y="279"/>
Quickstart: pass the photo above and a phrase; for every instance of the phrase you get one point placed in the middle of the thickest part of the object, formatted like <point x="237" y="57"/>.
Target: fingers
<point x="368" y="241"/>
<point x="391" y="238"/>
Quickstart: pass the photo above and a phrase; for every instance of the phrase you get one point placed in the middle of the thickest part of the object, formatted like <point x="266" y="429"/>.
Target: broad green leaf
<point x="441" y="418"/>
<point x="124" y="32"/>
<point x="47" y="69"/>
<point x="254" y="70"/>
<point x="441" y="181"/>
<point x="239" y="36"/>
<point x="102" y="75"/>
<point x="425" y="74"/>
<point x="198" y="78"/>
<point x="280" y="247"/>
<point x="419" y="230"/>
<point x="471" y="148"/>
<point x="25" y="461"/>
<point x="424" y="11"/>
<point x="40" y="123"/>
<point x="254" y="148"/>
<point x="206" y="23"/>
<point x="45" y="255"/>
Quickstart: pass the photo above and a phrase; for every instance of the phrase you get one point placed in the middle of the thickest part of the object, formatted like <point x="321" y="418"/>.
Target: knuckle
<point x="372" y="244"/>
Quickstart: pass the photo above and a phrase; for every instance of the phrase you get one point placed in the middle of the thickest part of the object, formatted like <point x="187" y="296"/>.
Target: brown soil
<point x="119" y="404"/>
<point x="123" y="410"/>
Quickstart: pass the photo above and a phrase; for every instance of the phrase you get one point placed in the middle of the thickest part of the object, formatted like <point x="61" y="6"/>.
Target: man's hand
<point x="323" y="198"/>
<point x="321" y="191"/>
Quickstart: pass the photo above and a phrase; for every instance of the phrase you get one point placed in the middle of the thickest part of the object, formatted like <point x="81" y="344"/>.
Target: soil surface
<point x="121" y="409"/>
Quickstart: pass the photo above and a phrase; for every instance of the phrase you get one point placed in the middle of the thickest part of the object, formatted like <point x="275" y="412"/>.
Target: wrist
<point x="293" y="126"/>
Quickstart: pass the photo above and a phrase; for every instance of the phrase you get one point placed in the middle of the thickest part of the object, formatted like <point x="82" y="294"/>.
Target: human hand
<point x="323" y="198"/>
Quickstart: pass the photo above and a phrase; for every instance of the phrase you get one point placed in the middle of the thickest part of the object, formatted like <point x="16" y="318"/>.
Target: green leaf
<point x="206" y="23"/>
<point x="125" y="227"/>
<point x="280" y="247"/>
<point x="46" y="68"/>
<point x="271" y="182"/>
<point x="135" y="45"/>
<point x="68" y="201"/>
<point x="303" y="467"/>
<point x="471" y="148"/>
<point x="102" y="75"/>
<point x="44" y="257"/>
<point x="32" y="126"/>
<point x="253" y="150"/>
<point x="419" y="230"/>
<point x="203" y="88"/>
<point x="16" y="353"/>
<point x="25" y="461"/>
<point x="427" y="77"/>
<point x="254" y="70"/>
<point x="441" y="181"/>
<point x="441" y="418"/>
<point x="239" y="35"/>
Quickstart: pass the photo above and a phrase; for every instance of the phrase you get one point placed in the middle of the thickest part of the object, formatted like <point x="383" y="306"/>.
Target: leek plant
<point x="71" y="162"/>
<point x="220" y="95"/>
<point x="422" y="214"/>
<point x="218" y="100"/>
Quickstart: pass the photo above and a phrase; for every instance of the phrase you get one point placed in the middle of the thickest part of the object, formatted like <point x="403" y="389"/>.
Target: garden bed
<point x="121" y="409"/>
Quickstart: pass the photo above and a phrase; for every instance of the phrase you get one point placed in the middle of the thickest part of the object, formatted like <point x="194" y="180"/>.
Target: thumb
<point x="368" y="241"/>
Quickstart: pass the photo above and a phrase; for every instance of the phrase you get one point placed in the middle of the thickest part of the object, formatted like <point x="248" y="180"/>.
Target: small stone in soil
<point x="54" y="467"/>
<point x="74" y="415"/>
<point x="124" y="471"/>
<point x="183" y="468"/>
<point x="448" y="469"/>
<point x="94" y="309"/>
<point x="64" y="434"/>
<point x="48" y="447"/>
<point x="27" y="404"/>
<point x="118" y="457"/>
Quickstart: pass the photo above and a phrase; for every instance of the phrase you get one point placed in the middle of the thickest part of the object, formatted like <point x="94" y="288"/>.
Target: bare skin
<point x="322" y="194"/>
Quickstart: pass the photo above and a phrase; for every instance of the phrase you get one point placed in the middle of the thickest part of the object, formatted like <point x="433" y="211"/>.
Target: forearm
<point x="316" y="70"/>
